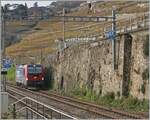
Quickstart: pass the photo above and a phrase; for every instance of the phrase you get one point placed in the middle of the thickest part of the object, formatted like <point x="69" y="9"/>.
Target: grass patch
<point x="11" y="73"/>
<point x="133" y="104"/>
<point x="130" y="103"/>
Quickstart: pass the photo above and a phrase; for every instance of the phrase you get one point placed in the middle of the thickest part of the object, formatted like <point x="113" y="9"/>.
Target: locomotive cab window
<point x="30" y="70"/>
<point x="35" y="69"/>
<point x="38" y="69"/>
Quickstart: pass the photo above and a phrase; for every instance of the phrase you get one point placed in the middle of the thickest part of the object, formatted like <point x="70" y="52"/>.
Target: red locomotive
<point x="30" y="75"/>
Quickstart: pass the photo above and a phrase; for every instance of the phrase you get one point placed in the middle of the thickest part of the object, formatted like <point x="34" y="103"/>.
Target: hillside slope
<point x="43" y="36"/>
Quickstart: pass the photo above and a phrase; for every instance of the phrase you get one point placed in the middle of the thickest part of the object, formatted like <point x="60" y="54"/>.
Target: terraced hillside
<point x="43" y="36"/>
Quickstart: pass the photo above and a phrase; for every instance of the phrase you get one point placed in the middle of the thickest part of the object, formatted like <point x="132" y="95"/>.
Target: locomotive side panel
<point x="26" y="75"/>
<point x="20" y="75"/>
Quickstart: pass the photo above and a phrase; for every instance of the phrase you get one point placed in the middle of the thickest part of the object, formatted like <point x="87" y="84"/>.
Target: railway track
<point x="22" y="106"/>
<point x="121" y="114"/>
<point x="70" y="110"/>
<point x="76" y="107"/>
<point x="40" y="110"/>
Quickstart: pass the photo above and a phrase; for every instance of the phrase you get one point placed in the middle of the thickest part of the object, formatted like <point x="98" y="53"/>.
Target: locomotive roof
<point x="34" y="65"/>
<point x="20" y="66"/>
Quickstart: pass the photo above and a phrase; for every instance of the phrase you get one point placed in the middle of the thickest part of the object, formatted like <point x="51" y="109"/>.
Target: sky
<point x="29" y="3"/>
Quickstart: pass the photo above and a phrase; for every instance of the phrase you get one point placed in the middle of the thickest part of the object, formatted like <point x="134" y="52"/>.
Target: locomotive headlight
<point x="26" y="78"/>
<point x="42" y="78"/>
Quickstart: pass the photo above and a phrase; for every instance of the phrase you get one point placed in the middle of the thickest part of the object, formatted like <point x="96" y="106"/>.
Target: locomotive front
<point x="34" y="75"/>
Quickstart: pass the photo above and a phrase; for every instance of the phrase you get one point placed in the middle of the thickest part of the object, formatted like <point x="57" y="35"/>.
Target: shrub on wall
<point x="145" y="74"/>
<point x="143" y="88"/>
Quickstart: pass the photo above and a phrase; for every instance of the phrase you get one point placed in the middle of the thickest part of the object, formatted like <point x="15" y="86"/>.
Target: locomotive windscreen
<point x="34" y="69"/>
<point x="30" y="69"/>
<point x="38" y="69"/>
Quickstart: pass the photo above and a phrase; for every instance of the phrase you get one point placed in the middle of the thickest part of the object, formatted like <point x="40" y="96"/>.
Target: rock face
<point x="90" y="66"/>
<point x="139" y="63"/>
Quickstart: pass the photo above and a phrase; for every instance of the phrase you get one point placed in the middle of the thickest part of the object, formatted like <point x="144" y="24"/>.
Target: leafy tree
<point x="6" y="8"/>
<point x="2" y="8"/>
<point x="21" y="11"/>
<point x="36" y="4"/>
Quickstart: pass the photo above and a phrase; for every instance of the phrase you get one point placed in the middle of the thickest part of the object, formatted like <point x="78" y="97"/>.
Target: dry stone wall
<point x="139" y="63"/>
<point x="90" y="66"/>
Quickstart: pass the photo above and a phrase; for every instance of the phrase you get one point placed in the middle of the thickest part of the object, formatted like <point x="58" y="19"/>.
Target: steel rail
<point x="92" y="105"/>
<point x="88" y="106"/>
<point x="26" y="106"/>
<point x="40" y="103"/>
<point x="68" y="103"/>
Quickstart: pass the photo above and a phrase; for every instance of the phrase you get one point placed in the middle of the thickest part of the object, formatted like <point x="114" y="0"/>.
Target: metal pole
<point x="64" y="24"/>
<point x="41" y="55"/>
<point x="114" y="39"/>
<point x="4" y="78"/>
<point x="31" y="114"/>
<point x="51" y="114"/>
<point x="3" y="46"/>
<point x="26" y="113"/>
<point x="14" y="111"/>
<point x="60" y="116"/>
<point x="43" y="110"/>
<point x="3" y="40"/>
<point x="64" y="28"/>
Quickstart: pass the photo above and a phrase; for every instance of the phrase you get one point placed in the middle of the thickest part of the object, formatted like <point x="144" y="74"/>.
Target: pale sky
<point x="29" y="3"/>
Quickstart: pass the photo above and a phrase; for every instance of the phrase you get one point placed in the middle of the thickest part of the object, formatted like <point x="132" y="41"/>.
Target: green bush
<point x="145" y="74"/>
<point x="77" y="91"/>
<point x="5" y="115"/>
<point x="11" y="73"/>
<point x="110" y="95"/>
<point x="49" y="80"/>
<point x="134" y="104"/>
<point x="130" y="101"/>
<point x="90" y="95"/>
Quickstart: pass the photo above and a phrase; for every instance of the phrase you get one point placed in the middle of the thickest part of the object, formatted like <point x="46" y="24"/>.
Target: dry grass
<point x="50" y="31"/>
<point x="15" y="23"/>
